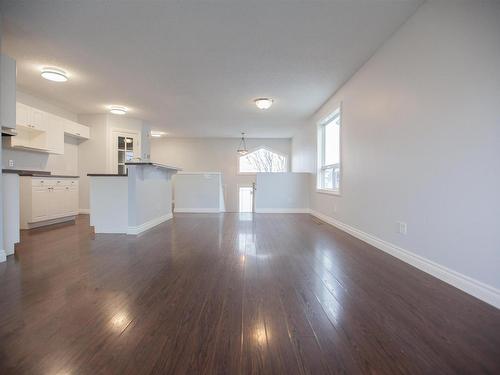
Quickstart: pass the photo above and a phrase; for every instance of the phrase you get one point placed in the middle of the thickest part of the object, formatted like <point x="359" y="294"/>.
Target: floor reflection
<point x="260" y="335"/>
<point x="119" y="321"/>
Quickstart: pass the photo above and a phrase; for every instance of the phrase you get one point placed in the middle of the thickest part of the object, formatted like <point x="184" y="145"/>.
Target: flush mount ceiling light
<point x="263" y="103"/>
<point x="157" y="134"/>
<point x="242" y="148"/>
<point x="117" y="109"/>
<point x="54" y="74"/>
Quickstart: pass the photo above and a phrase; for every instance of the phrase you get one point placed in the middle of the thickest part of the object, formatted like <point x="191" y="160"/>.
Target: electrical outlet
<point x="11" y="163"/>
<point x="402" y="227"/>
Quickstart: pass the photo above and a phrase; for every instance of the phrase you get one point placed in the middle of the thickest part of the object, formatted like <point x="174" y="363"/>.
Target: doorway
<point x="125" y="149"/>
<point x="245" y="193"/>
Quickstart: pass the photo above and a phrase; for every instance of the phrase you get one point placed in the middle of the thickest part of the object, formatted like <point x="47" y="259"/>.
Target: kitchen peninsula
<point x="134" y="202"/>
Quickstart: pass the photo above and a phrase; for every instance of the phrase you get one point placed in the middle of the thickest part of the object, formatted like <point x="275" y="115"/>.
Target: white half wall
<point x="421" y="142"/>
<point x="213" y="154"/>
<point x="197" y="192"/>
<point x="282" y="192"/>
<point x="109" y="204"/>
<point x="149" y="197"/>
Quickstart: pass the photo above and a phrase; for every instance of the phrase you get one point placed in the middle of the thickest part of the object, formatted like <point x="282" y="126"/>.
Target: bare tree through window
<point x="262" y="160"/>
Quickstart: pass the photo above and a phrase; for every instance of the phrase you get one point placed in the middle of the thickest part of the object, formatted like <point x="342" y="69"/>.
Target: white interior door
<point x="245" y="198"/>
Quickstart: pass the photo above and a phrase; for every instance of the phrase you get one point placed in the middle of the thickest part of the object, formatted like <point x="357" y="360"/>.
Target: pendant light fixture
<point x="242" y="148"/>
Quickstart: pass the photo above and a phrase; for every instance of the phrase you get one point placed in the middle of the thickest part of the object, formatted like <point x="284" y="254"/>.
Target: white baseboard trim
<point x="58" y="220"/>
<point x="282" y="210"/>
<point x="3" y="256"/>
<point x="149" y="224"/>
<point x="197" y="210"/>
<point x="484" y="292"/>
<point x="84" y="211"/>
<point x="10" y="251"/>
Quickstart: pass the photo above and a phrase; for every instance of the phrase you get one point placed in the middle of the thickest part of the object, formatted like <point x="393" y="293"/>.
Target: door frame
<point x="252" y="186"/>
<point x="114" y="133"/>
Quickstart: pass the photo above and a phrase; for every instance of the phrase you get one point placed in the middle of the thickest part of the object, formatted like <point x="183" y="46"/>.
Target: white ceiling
<point x="192" y="68"/>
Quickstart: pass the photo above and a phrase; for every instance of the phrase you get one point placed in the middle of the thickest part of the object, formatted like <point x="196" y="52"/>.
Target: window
<point x="329" y="153"/>
<point x="262" y="160"/>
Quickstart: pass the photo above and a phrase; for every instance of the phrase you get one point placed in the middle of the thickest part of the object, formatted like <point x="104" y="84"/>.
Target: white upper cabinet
<point x="77" y="130"/>
<point x="55" y="131"/>
<point x="41" y="131"/>
<point x="7" y="92"/>
<point x="39" y="120"/>
<point x="23" y="114"/>
<point x="31" y="130"/>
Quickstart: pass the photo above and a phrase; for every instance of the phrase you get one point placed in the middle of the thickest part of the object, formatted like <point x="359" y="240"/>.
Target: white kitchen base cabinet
<point x="48" y="200"/>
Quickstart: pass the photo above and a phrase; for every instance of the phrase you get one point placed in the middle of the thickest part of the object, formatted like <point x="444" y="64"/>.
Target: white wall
<point x="282" y="192"/>
<point x="212" y="155"/>
<point x="92" y="154"/>
<point x="57" y="164"/>
<point x="421" y="140"/>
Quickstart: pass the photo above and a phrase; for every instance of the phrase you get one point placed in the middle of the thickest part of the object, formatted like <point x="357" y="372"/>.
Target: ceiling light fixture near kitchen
<point x="117" y="109"/>
<point x="263" y="103"/>
<point x="54" y="74"/>
<point x="157" y="134"/>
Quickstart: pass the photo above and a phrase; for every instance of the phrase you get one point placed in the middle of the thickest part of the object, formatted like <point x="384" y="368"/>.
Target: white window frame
<point x="256" y="149"/>
<point x="321" y="167"/>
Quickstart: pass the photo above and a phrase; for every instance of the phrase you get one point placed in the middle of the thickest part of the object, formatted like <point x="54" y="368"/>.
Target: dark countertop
<point x="48" y="176"/>
<point x="28" y="173"/>
<point x="153" y="164"/>
<point x="106" y="175"/>
<point x="25" y="172"/>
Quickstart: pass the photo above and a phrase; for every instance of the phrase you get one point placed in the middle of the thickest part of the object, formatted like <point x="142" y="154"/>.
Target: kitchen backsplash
<point x="57" y="164"/>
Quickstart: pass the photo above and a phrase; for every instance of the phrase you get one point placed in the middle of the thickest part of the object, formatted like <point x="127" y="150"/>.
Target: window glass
<point x="329" y="153"/>
<point x="332" y="143"/>
<point x="262" y="160"/>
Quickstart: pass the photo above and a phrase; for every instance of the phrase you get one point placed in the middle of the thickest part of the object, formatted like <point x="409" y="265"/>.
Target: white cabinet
<point x="31" y="117"/>
<point x="7" y="92"/>
<point x="31" y="129"/>
<point x="39" y="203"/>
<point x="23" y="114"/>
<point x="47" y="200"/>
<point x="55" y="134"/>
<point x="77" y="130"/>
<point x="39" y="120"/>
<point x="41" y="131"/>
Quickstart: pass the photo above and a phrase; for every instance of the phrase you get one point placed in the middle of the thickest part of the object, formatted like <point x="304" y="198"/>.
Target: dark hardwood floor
<point x="225" y="294"/>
